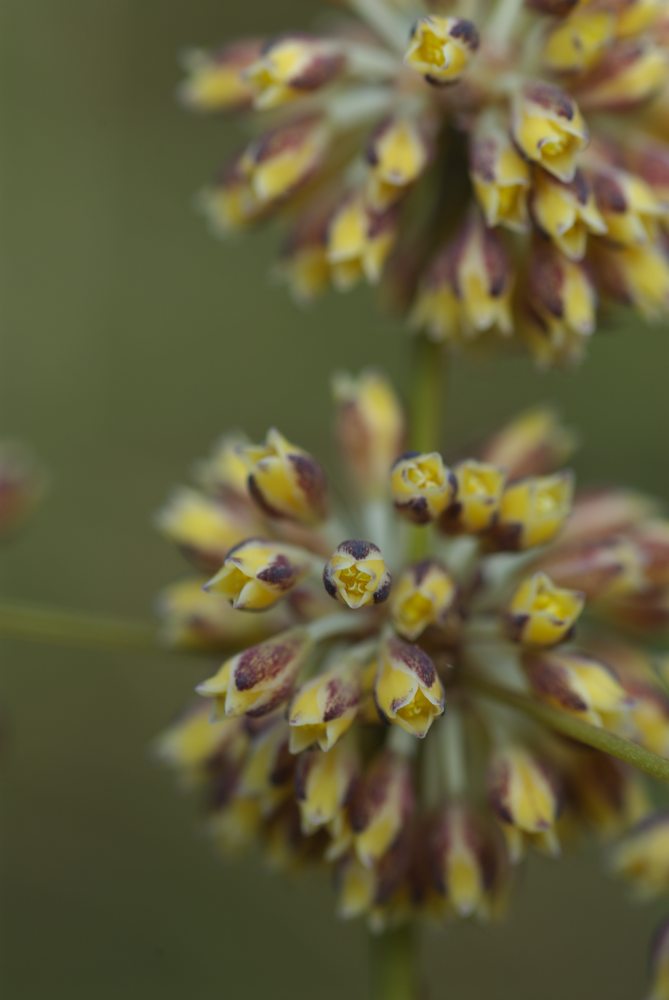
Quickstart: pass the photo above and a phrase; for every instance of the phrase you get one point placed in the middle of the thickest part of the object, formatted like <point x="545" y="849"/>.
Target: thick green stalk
<point x="393" y="965"/>
<point x="576" y="729"/>
<point x="427" y="391"/>
<point x="73" y="628"/>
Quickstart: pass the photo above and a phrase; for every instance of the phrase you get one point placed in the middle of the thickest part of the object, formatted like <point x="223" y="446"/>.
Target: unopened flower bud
<point x="292" y="66"/>
<point x="224" y="473"/>
<point x="629" y="207"/>
<point x="261" y="678"/>
<point x="285" y="481"/>
<point x="194" y="738"/>
<point x="408" y="690"/>
<point x="577" y="683"/>
<point x="636" y="275"/>
<point x="642" y="857"/>
<point x="269" y="768"/>
<point x="566" y="212"/>
<point x="279" y="162"/>
<point x="598" y="514"/>
<point x="608" y="794"/>
<point x="370" y="428"/>
<point x="356" y="574"/>
<point x="478" y="495"/>
<point x="541" y="614"/>
<point x="204" y="529"/>
<point x="549" y="128"/>
<point x="398" y="153"/>
<point x="303" y="264"/>
<point x="533" y="444"/>
<point x="522" y="790"/>
<point x="660" y="964"/>
<point x="422" y="486"/>
<point x="258" y="573"/>
<point x="561" y="304"/>
<point x="465" y="858"/>
<point x="422" y="596"/>
<point x="215" y="81"/>
<point x="323" y="782"/>
<point x="533" y="511"/>
<point x="500" y="176"/>
<point x="628" y="74"/>
<point x="381" y="805"/>
<point x="324" y="708"/>
<point x="577" y="42"/>
<point x="441" y="48"/>
<point x="359" y="242"/>
<point x="22" y="484"/>
<point x="601" y="570"/>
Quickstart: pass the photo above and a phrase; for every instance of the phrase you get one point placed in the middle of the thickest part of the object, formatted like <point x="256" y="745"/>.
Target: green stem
<point x="393" y="965"/>
<point x="576" y="729"/>
<point x="74" y="628"/>
<point x="427" y="392"/>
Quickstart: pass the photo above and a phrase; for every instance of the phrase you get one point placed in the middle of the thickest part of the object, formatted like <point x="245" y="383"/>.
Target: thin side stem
<point x="387" y="23"/>
<point x="73" y="628"/>
<point x="393" y="965"/>
<point x="576" y="729"/>
<point x="427" y="392"/>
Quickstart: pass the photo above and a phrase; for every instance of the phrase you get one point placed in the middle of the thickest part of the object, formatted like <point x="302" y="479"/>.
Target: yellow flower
<point x="441" y="48"/>
<point x="381" y="803"/>
<point x="258" y="573"/>
<point x="629" y="207"/>
<point x="534" y="510"/>
<point x="290" y="67"/>
<point x="468" y="860"/>
<point x="642" y="857"/>
<point x="323" y="783"/>
<point x="398" y="154"/>
<point x="357" y="575"/>
<point x="422" y="486"/>
<point x="577" y="42"/>
<point x="407" y="689"/>
<point x="422" y="596"/>
<point x="324" y="708"/>
<point x="286" y="481"/>
<point x="193" y="619"/>
<point x="500" y="176"/>
<point x="549" y="129"/>
<point x="478" y="496"/>
<point x="578" y="683"/>
<point x="205" y="529"/>
<point x="566" y="212"/>
<point x="359" y="242"/>
<point x="217" y="82"/>
<point x="541" y="614"/>
<point x="523" y="793"/>
<point x="534" y="441"/>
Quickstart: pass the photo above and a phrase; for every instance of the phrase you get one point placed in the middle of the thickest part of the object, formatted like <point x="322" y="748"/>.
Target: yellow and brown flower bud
<point x="523" y="791"/>
<point x="561" y="306"/>
<point x="533" y="444"/>
<point x="381" y="805"/>
<point x="324" y="708"/>
<point x="541" y="614"/>
<point x="647" y="721"/>
<point x="407" y="690"/>
<point x="356" y="574"/>
<point x="398" y="153"/>
<point x="602" y="569"/>
<point x="224" y="473"/>
<point x="359" y="242"/>
<point x="659" y="989"/>
<point x="600" y="513"/>
<point x="650" y="161"/>
<point x="642" y="857"/>
<point x="257" y="573"/>
<point x="279" y="162"/>
<point x="422" y="486"/>
<point x="651" y="541"/>
<point x="480" y="486"/>
<point x="577" y="42"/>
<point x="422" y="596"/>
<point x="466" y="860"/>
<point x="578" y="683"/>
<point x="22" y="485"/>
<point x="533" y="511"/>
<point x="203" y="528"/>
<point x="216" y="81"/>
<point x="629" y="207"/>
<point x="627" y="75"/>
<point x="566" y="212"/>
<point x="269" y="768"/>
<point x="193" y="739"/>
<point x="370" y="428"/>
<point x="293" y="66"/>
<point x="499" y="175"/>
<point x="549" y="129"/>
<point x="636" y="275"/>
<point x="323" y="782"/>
<point x="230" y="204"/>
<point x="285" y="481"/>
<point x="441" y="48"/>
<point x="608" y="795"/>
<point x="261" y="678"/>
<point x="303" y="264"/>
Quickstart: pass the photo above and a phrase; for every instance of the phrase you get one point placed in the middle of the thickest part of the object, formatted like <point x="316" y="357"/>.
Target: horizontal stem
<point x="576" y="729"/>
<point x="75" y="628"/>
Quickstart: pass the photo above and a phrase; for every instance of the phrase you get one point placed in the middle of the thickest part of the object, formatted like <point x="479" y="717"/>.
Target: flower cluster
<point x="355" y="720"/>
<point x="505" y="173"/>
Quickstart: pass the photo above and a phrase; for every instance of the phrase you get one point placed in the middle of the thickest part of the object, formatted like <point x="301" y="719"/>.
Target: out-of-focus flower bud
<point x="600" y="570"/>
<point x="258" y="573"/>
<point x="370" y="428"/>
<point x="598" y="514"/>
<point x="578" y="683"/>
<point x="193" y="738"/>
<point x="356" y="888"/>
<point x="285" y="481"/>
<point x="203" y="528"/>
<point x="642" y="857"/>
<point x="230" y="204"/>
<point x="224" y="473"/>
<point x="323" y="782"/>
<point x="500" y="176"/>
<point x="650" y="161"/>
<point x="609" y="795"/>
<point x="441" y="48"/>
<point x="561" y="305"/>
<point x="651" y="540"/>
<point x="533" y="444"/>
<point x="269" y="768"/>
<point x="523" y="791"/>
<point x="635" y="275"/>
<point x="627" y="75"/>
<point x="292" y="66"/>
<point x="541" y="614"/>
<point x="660" y="964"/>
<point x="303" y="264"/>
<point x="422" y="486"/>
<point x="359" y="242"/>
<point x="577" y="42"/>
<point x="191" y="618"/>
<point x="647" y="721"/>
<point x="549" y="128"/>
<point x="398" y="153"/>
<point x="261" y="678"/>
<point x="356" y="574"/>
<point x="381" y="805"/>
<point x="533" y="511"/>
<point x="279" y="162"/>
<point x="422" y="596"/>
<point x="629" y="207"/>
<point x="324" y="708"/>
<point x="408" y="690"/>
<point x="22" y="485"/>
<point x="466" y="860"/>
<point x="468" y="288"/>
<point x="477" y="499"/>
<point x="566" y="212"/>
<point x="215" y="81"/>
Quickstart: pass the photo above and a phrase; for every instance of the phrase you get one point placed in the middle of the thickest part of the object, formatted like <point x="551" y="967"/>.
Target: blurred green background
<point x="129" y="341"/>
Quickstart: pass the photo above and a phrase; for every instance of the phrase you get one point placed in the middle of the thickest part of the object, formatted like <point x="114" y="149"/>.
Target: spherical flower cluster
<point x="363" y="716"/>
<point x="505" y="174"/>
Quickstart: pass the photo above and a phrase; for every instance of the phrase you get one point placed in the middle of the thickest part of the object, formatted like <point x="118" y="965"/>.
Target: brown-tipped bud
<point x="204" y="529"/>
<point x="560" y="306"/>
<point x="478" y="495"/>
<point x="278" y="163"/>
<point x="261" y="678"/>
<point x="381" y="805"/>
<point x="269" y="768"/>
<point x="608" y="795"/>
<point x="370" y="428"/>
<point x="533" y="511"/>
<point x="303" y="263"/>
<point x="215" y="81"/>
<point x="422" y="486"/>
<point x="651" y="541"/>
<point x="578" y="683"/>
<point x="534" y="444"/>
<point x="600" y="570"/>
<point x="407" y="690"/>
<point x="642" y="857"/>
<point x="356" y="574"/>
<point x="224" y="473"/>
<point x="541" y="614"/>
<point x="22" y="485"/>
<point x="635" y="275"/>
<point x="597" y="514"/>
<point x="627" y="75"/>
<point x="192" y="740"/>
<point x="441" y="48"/>
<point x="359" y="242"/>
<point x="323" y="782"/>
<point x="629" y="207"/>
<point x="466" y="860"/>
<point x="258" y="573"/>
<point x="398" y="153"/>
<point x="523" y="791"/>
<point x="650" y="161"/>
<point x="286" y="481"/>
<point x="423" y="596"/>
<point x="293" y="66"/>
<point x="499" y="175"/>
<point x="566" y="212"/>
<point x="549" y="128"/>
<point x="324" y="708"/>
